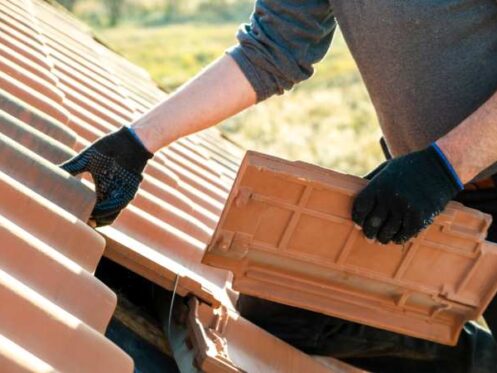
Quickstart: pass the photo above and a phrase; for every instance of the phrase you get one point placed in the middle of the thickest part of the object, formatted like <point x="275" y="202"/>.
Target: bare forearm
<point x="471" y="147"/>
<point x="215" y="94"/>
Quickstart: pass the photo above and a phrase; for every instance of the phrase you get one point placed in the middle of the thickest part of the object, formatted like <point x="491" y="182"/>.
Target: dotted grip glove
<point x="116" y="163"/>
<point x="405" y="195"/>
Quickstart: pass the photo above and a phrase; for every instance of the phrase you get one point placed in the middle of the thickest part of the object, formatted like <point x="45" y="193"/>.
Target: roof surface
<point x="60" y="90"/>
<point x="48" y="250"/>
<point x="56" y="78"/>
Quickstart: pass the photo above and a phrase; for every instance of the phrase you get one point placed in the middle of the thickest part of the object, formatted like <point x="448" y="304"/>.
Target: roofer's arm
<point x="214" y="95"/>
<point x="405" y="196"/>
<point x="277" y="50"/>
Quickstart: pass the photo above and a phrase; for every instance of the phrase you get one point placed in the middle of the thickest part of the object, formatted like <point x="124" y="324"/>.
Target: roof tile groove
<point x="169" y="213"/>
<point x="287" y="235"/>
<point x="82" y="75"/>
<point x="15" y="71"/>
<point x="34" y="55"/>
<point x="18" y="20"/>
<point x="33" y="139"/>
<point x="15" y="359"/>
<point x="30" y="64"/>
<point x="94" y="103"/>
<point x="23" y="90"/>
<point x="14" y="36"/>
<point x="87" y="97"/>
<point x="37" y="119"/>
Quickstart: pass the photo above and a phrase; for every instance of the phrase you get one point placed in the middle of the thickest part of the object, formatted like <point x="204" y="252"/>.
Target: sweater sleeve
<point x="282" y="42"/>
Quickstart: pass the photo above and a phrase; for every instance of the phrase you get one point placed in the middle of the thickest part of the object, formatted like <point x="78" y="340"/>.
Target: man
<point x="431" y="70"/>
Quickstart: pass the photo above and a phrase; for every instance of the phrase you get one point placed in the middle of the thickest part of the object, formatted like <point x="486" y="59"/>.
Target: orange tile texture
<point x="54" y="311"/>
<point x="60" y="90"/>
<point x="85" y="91"/>
<point x="287" y="235"/>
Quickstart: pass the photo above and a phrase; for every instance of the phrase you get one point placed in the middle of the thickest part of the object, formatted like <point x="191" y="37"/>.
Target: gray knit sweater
<point x="427" y="64"/>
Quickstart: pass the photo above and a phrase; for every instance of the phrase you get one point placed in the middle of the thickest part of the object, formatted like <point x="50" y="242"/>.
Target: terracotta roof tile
<point x="54" y="276"/>
<point x="46" y="219"/>
<point x="39" y="99"/>
<point x="33" y="139"/>
<point x="37" y="119"/>
<point x="287" y="235"/>
<point x="54" y="335"/>
<point x="43" y="314"/>
<point x="225" y="342"/>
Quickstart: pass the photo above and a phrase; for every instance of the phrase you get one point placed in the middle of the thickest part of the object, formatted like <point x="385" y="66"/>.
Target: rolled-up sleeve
<point x="283" y="41"/>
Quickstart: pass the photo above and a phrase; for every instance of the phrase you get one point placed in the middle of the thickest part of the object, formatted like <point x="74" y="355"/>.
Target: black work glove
<point x="376" y="171"/>
<point x="405" y="195"/>
<point x="116" y="163"/>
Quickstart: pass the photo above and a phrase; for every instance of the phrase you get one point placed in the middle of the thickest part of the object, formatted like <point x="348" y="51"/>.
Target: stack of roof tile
<point x="59" y="91"/>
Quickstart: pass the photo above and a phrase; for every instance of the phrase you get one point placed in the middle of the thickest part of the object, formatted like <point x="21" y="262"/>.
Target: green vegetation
<point x="109" y="13"/>
<point x="171" y="54"/>
<point x="327" y="120"/>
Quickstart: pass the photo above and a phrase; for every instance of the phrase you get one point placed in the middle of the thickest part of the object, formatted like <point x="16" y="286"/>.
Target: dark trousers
<point x="378" y="350"/>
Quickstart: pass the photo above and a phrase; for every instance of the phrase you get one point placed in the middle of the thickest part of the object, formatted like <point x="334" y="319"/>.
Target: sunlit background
<point x="328" y="120"/>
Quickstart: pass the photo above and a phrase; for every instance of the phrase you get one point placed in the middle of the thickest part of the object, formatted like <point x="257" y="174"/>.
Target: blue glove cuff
<point x="448" y="165"/>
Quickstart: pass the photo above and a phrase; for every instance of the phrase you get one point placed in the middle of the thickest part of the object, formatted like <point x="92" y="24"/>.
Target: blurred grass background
<point x="328" y="120"/>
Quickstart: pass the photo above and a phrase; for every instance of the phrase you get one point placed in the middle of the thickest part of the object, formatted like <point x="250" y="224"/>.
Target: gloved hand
<point x="376" y="171"/>
<point x="405" y="195"/>
<point x="116" y="163"/>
